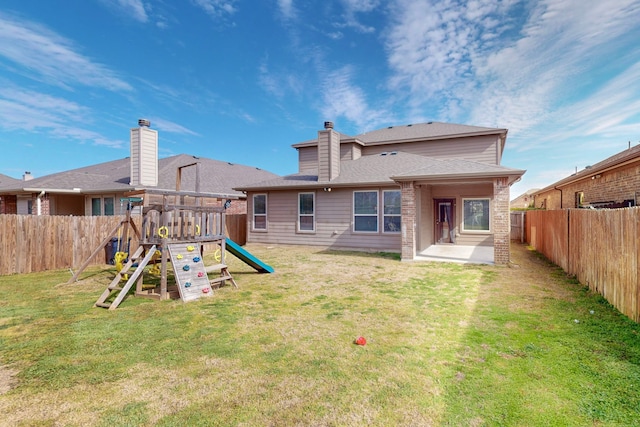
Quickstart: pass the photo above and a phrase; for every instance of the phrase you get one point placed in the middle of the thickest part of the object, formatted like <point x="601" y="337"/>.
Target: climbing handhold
<point x="191" y="248"/>
<point x="206" y="290"/>
<point x="200" y="274"/>
<point x="179" y="256"/>
<point x="196" y="259"/>
<point x="185" y="268"/>
<point x="187" y="285"/>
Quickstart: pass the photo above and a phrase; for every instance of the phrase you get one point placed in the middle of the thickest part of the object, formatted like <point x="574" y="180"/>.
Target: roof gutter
<point x="52" y="190"/>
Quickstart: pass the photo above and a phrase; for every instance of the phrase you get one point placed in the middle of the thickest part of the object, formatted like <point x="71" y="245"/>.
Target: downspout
<point x="39" y="203"/>
<point x="557" y="189"/>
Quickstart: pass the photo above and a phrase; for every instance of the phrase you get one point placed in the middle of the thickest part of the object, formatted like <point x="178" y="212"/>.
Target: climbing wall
<point x="188" y="267"/>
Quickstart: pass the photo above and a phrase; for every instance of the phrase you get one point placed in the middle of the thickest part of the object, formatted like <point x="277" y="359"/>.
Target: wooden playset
<point x="171" y="232"/>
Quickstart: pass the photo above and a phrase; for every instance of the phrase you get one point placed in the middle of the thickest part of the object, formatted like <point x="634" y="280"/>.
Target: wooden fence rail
<point x="599" y="247"/>
<point x="30" y="243"/>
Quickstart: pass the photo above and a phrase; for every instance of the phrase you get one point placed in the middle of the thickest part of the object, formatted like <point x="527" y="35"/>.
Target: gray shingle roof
<point x="215" y="177"/>
<point x="8" y="182"/>
<point x="424" y="131"/>
<point x="621" y="157"/>
<point x="413" y="132"/>
<point x="385" y="169"/>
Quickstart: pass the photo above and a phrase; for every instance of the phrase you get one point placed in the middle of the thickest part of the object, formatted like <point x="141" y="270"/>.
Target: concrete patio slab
<point x="457" y="253"/>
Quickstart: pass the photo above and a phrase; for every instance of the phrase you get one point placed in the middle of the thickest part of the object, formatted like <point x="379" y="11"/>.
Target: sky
<point x="241" y="81"/>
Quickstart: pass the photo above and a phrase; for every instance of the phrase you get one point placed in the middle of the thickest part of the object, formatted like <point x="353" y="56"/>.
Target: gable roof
<point x="414" y="132"/>
<point x="425" y="131"/>
<point x="216" y="177"/>
<point x="631" y="154"/>
<point x="8" y="182"/>
<point x="389" y="168"/>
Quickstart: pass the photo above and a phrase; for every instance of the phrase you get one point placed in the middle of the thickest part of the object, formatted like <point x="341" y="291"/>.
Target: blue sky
<point x="241" y="81"/>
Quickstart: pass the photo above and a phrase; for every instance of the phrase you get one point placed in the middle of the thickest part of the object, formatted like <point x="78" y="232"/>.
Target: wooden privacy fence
<point x="599" y="247"/>
<point x="30" y="243"/>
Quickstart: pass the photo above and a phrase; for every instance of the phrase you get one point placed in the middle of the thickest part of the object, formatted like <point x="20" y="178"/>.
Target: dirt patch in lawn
<point x="8" y="379"/>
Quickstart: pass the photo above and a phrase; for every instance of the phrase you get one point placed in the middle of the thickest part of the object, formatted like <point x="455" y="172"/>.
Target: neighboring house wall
<point x="601" y="188"/>
<point x="8" y="205"/>
<point x="333" y="221"/>
<point x="613" y="182"/>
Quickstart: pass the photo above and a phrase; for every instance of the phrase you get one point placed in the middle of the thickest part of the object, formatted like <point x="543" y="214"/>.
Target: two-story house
<point x="400" y="189"/>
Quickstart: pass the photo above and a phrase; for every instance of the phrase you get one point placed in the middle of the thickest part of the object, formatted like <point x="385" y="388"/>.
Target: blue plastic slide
<point x="247" y="258"/>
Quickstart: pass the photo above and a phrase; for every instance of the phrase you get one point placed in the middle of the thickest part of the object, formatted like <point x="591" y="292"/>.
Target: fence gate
<point x="517" y="226"/>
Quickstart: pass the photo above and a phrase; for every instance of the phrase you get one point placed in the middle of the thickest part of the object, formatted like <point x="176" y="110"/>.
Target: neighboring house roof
<point x="389" y="168"/>
<point x="415" y="132"/>
<point x="216" y="177"/>
<point x="527" y="193"/>
<point x="8" y="182"/>
<point x="631" y="154"/>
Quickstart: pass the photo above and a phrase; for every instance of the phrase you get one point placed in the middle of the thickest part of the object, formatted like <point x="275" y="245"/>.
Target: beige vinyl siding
<point x="334" y="223"/>
<point x="350" y="151"/>
<point x="308" y="160"/>
<point x="328" y="155"/>
<point x="479" y="149"/>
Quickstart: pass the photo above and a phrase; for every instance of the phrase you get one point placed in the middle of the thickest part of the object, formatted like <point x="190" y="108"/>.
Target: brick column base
<point x="408" y="209"/>
<point x="500" y="222"/>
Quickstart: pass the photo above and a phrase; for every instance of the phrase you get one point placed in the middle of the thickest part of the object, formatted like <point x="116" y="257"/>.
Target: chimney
<point x="27" y="176"/>
<point x="328" y="153"/>
<point x="144" y="155"/>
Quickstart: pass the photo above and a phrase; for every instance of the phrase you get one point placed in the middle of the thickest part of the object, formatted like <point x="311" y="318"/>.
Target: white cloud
<point x="448" y="54"/>
<point x="38" y="112"/>
<point x="133" y="8"/>
<point x="217" y="8"/>
<point x="169" y="126"/>
<point x="341" y="98"/>
<point x="287" y="9"/>
<point x="44" y="55"/>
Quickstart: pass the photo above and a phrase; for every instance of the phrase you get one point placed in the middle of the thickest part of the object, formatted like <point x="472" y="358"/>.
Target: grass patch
<point x="447" y="345"/>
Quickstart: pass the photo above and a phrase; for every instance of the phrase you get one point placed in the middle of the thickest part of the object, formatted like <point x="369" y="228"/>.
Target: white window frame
<point x="307" y="215"/>
<point x="362" y="215"/>
<point x="471" y="199"/>
<point x="254" y="214"/>
<point x="391" y="215"/>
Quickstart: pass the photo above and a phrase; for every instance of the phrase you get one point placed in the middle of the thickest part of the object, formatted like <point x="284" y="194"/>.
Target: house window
<point x="306" y="212"/>
<point x="579" y="195"/>
<point x="102" y="206"/>
<point x="475" y="215"/>
<point x="391" y="212"/>
<point x="259" y="211"/>
<point x="365" y="211"/>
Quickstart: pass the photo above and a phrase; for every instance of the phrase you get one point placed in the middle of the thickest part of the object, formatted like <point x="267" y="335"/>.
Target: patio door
<point x="445" y="220"/>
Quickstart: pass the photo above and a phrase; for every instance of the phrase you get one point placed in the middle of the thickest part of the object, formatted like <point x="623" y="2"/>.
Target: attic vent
<point x="393" y="153"/>
<point x="384" y="153"/>
<point x="390" y="127"/>
<point x="409" y="125"/>
<point x="144" y="123"/>
<point x="429" y="123"/>
<point x="230" y="163"/>
<point x="328" y="125"/>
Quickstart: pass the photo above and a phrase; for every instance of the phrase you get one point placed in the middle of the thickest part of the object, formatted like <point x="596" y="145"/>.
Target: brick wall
<point x="500" y="221"/>
<point x="408" y="208"/>
<point x="611" y="186"/>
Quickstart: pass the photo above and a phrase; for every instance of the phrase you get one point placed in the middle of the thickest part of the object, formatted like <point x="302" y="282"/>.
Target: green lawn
<point x="447" y="345"/>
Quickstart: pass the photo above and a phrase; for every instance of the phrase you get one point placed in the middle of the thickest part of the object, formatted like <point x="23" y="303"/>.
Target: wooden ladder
<point x="115" y="284"/>
<point x="224" y="274"/>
